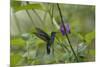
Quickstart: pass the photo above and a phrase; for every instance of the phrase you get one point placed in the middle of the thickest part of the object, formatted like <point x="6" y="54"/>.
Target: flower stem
<point x="66" y="33"/>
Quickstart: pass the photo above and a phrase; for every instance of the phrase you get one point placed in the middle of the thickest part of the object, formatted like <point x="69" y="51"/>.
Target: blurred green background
<point x="27" y="49"/>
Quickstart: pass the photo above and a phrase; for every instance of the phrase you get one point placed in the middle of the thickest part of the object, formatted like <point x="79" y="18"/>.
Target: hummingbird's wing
<point x="41" y="34"/>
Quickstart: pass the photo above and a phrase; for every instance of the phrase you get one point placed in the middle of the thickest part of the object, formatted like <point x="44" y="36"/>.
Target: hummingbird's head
<point x="53" y="33"/>
<point x="53" y="36"/>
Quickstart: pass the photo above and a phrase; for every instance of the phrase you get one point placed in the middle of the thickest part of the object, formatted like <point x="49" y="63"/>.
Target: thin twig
<point x="37" y="15"/>
<point x="66" y="32"/>
<point x="29" y="15"/>
<point x="52" y="13"/>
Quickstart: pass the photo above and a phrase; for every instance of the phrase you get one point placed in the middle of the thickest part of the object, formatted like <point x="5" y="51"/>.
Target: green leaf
<point x="17" y="6"/>
<point x="77" y="34"/>
<point x="89" y="37"/>
<point x="17" y="42"/>
<point x="30" y="6"/>
<point x="15" y="58"/>
<point x="92" y="52"/>
<point x="81" y="47"/>
<point x="36" y="61"/>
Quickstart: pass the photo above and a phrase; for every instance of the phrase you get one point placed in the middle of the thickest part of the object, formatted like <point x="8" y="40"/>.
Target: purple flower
<point x="67" y="27"/>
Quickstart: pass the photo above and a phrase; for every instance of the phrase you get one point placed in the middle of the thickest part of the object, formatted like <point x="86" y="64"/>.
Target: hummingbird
<point x="45" y="37"/>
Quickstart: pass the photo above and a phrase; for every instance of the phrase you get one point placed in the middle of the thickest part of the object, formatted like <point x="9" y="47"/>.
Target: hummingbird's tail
<point x="48" y="48"/>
